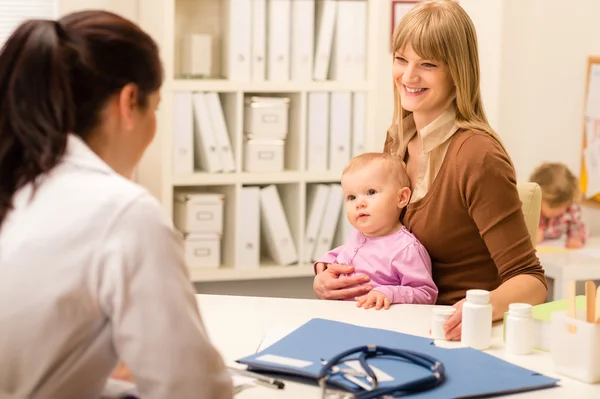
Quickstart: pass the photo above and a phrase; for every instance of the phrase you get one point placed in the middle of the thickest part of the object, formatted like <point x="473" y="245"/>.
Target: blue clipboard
<point x="469" y="373"/>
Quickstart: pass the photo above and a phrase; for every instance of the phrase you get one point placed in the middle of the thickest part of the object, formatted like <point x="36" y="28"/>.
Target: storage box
<point x="266" y="117"/>
<point x="263" y="155"/>
<point x="202" y="250"/>
<point x="199" y="212"/>
<point x="575" y="347"/>
<point x="195" y="55"/>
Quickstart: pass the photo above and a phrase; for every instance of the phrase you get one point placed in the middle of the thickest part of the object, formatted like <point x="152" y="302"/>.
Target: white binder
<point x="339" y="130"/>
<point x="183" y="133"/>
<point x="329" y="224"/>
<point x="303" y="38"/>
<point x="325" y="21"/>
<point x="279" y="32"/>
<point x="259" y="40"/>
<point x="360" y="11"/>
<point x="342" y="49"/>
<point x="206" y="153"/>
<point x="315" y="205"/>
<point x="219" y="128"/>
<point x="237" y="39"/>
<point x="247" y="252"/>
<point x="317" y="146"/>
<point x="359" y="125"/>
<point x="275" y="228"/>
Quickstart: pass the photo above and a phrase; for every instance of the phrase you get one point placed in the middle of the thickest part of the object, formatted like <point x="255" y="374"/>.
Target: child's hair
<point x="559" y="185"/>
<point x="395" y="166"/>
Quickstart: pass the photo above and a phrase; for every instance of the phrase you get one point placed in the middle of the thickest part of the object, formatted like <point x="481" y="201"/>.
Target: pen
<point x="261" y="379"/>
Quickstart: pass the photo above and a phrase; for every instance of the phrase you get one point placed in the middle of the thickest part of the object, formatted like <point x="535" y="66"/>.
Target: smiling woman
<point x="465" y="207"/>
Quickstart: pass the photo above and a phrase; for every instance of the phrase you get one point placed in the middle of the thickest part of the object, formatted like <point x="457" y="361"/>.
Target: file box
<point x="266" y="117"/>
<point x="263" y="155"/>
<point x="199" y="212"/>
<point x="202" y="250"/>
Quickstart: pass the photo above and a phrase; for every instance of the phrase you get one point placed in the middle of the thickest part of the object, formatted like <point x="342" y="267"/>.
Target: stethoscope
<point x="374" y="390"/>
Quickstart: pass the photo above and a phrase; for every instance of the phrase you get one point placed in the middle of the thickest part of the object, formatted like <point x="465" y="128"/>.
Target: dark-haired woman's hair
<point x="55" y="78"/>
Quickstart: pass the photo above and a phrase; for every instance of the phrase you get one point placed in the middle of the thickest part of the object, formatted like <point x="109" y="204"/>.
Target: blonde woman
<point x="465" y="207"/>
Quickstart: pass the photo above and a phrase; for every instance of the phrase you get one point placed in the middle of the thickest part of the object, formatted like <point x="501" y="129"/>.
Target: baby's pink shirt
<point x="398" y="265"/>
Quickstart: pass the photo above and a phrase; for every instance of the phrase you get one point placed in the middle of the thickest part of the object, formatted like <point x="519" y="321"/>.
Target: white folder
<point x="279" y="39"/>
<point x="259" y="40"/>
<point x="329" y="224"/>
<point x="317" y="146"/>
<point x="359" y="125"/>
<point x="183" y="133"/>
<point x="303" y="38"/>
<point x="219" y="128"/>
<point x="247" y="253"/>
<point x="316" y="204"/>
<point x="360" y="11"/>
<point x="342" y="49"/>
<point x="275" y="228"/>
<point x="206" y="153"/>
<point x="340" y="130"/>
<point x="325" y="22"/>
<point x="237" y="39"/>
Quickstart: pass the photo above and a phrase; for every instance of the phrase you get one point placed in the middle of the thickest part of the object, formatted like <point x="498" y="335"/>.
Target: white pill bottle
<point x="519" y="329"/>
<point x="477" y="320"/>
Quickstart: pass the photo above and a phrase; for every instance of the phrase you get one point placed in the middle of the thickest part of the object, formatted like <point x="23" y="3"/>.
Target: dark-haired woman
<point x="90" y="269"/>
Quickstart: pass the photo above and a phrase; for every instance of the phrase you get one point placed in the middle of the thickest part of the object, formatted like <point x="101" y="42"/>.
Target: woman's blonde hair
<point x="441" y="31"/>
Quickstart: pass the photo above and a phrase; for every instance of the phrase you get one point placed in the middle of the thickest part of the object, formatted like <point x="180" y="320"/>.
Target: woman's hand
<point x="453" y="326"/>
<point x="330" y="284"/>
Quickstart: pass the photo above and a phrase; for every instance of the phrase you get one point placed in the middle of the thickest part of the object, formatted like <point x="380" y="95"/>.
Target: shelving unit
<point x="166" y="22"/>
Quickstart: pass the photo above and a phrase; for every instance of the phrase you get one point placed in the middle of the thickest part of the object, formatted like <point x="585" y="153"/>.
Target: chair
<point x="531" y="198"/>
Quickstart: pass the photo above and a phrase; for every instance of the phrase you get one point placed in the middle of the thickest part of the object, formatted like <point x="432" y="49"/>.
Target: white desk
<point x="563" y="265"/>
<point x="237" y="325"/>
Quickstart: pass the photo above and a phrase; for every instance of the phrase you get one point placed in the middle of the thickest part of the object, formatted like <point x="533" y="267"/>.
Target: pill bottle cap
<point x="443" y="311"/>
<point x="481" y="297"/>
<point x="520" y="309"/>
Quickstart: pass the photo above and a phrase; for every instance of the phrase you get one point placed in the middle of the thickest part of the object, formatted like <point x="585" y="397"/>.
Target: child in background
<point x="376" y="190"/>
<point x="560" y="212"/>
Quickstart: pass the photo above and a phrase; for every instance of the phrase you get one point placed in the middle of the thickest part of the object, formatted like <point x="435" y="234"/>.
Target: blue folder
<point x="469" y="372"/>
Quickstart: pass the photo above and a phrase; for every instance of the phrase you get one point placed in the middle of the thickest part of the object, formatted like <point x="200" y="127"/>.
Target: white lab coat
<point x="91" y="271"/>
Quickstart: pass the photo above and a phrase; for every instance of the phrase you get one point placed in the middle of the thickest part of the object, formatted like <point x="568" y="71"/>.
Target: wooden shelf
<point x="227" y="86"/>
<point x="214" y="179"/>
<point x="228" y="273"/>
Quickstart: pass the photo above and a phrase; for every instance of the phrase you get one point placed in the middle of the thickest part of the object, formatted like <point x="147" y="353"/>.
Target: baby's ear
<point x="403" y="197"/>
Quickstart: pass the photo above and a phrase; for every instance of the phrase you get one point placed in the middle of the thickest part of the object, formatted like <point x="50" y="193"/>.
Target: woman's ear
<point x="128" y="99"/>
<point x="403" y="197"/>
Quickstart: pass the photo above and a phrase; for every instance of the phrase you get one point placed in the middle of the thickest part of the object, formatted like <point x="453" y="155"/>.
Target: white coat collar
<point x="80" y="154"/>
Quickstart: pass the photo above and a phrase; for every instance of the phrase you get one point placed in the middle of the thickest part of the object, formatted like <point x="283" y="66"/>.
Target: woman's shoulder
<point x="471" y="148"/>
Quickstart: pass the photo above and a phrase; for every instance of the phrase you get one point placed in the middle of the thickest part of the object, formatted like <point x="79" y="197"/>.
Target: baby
<point x="376" y="190"/>
<point x="560" y="213"/>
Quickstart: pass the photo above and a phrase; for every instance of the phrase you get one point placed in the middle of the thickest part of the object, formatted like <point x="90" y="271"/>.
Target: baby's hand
<point x="373" y="299"/>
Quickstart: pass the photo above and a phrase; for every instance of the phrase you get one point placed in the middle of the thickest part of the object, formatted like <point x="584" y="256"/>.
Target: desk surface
<point x="237" y="325"/>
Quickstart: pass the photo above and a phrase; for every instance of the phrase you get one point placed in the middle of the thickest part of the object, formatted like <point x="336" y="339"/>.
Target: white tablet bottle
<point x="477" y="320"/>
<point x="439" y="317"/>
<point x="519" y="329"/>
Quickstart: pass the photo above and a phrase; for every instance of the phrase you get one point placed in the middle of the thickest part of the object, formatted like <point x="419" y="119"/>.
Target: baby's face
<point x="372" y="200"/>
